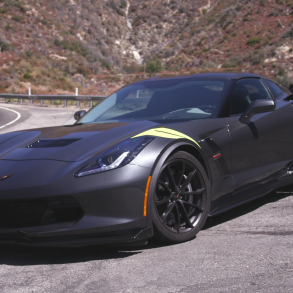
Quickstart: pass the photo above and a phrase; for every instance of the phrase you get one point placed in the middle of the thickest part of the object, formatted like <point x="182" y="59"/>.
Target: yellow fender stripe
<point x="166" y="133"/>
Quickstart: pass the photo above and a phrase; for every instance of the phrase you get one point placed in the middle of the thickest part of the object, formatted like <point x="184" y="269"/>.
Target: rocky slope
<point x="99" y="45"/>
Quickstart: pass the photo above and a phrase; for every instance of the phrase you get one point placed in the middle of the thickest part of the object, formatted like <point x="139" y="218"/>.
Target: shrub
<point x="8" y="27"/>
<point x="262" y="2"/>
<point x="15" y="3"/>
<point x="3" y="10"/>
<point x="17" y="18"/>
<point x="288" y="34"/>
<point x="284" y="80"/>
<point x="44" y="21"/>
<point x="75" y="46"/>
<point x="257" y="58"/>
<point x="4" y="46"/>
<point x="230" y="63"/>
<point x="209" y="64"/>
<point x="105" y="64"/>
<point x="123" y="3"/>
<point x="154" y="66"/>
<point x="254" y="40"/>
<point x="27" y="76"/>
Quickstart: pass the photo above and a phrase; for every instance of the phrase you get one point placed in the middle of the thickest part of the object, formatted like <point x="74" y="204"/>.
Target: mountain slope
<point x="99" y="45"/>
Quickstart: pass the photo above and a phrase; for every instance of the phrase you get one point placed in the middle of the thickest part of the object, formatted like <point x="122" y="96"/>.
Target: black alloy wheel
<point x="181" y="199"/>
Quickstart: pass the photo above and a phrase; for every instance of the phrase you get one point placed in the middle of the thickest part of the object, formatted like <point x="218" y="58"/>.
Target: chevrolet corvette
<point x="154" y="159"/>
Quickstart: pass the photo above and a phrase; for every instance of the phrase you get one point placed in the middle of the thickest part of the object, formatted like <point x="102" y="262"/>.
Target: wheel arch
<point x="168" y="151"/>
<point x="195" y="153"/>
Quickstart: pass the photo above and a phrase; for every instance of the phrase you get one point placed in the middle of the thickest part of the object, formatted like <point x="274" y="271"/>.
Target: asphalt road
<point x="248" y="249"/>
<point x="33" y="117"/>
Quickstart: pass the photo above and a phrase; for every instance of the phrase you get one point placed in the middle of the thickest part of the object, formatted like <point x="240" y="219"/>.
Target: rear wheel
<point x="181" y="200"/>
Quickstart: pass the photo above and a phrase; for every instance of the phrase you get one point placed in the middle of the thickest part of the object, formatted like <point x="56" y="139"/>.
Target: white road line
<point x="18" y="117"/>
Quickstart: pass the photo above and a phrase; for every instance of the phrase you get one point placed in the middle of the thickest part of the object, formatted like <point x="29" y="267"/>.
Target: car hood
<point x="86" y="140"/>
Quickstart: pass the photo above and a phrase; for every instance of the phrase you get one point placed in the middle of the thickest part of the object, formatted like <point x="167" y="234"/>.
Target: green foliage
<point x="132" y="68"/>
<point x="253" y="41"/>
<point x="273" y="13"/>
<point x="263" y="3"/>
<point x="283" y="78"/>
<point x="27" y="76"/>
<point x="120" y="12"/>
<point x="154" y="65"/>
<point x="17" y="18"/>
<point x="8" y="27"/>
<point x="257" y="57"/>
<point x="75" y="46"/>
<point x="4" y="46"/>
<point x="44" y="21"/>
<point x="3" y="10"/>
<point x="209" y="64"/>
<point x="230" y="63"/>
<point x="15" y="3"/>
<point x="281" y="71"/>
<point x="123" y="3"/>
<point x="105" y="64"/>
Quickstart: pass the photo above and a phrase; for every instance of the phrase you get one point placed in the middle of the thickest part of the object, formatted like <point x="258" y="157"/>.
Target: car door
<point x="256" y="147"/>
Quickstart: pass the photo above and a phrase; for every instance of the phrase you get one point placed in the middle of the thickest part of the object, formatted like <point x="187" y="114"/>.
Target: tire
<point x="181" y="200"/>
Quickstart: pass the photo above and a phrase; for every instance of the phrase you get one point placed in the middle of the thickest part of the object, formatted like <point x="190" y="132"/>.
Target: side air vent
<point x="52" y="143"/>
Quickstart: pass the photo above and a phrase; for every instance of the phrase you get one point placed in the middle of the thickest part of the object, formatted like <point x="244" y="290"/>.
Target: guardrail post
<point x="41" y="102"/>
<point x="76" y="94"/>
<point x="29" y="93"/>
<point x="91" y="103"/>
<point x="65" y="103"/>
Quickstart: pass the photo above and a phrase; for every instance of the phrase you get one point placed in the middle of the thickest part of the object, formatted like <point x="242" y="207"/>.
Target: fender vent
<point x="52" y="143"/>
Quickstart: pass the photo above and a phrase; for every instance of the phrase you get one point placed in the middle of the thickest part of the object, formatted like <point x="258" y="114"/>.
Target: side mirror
<point x="77" y="115"/>
<point x="258" y="106"/>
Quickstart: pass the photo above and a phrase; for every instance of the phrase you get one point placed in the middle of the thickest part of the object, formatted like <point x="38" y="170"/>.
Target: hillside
<point x="99" y="45"/>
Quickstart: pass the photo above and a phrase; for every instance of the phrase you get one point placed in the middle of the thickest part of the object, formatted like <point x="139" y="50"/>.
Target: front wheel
<point x="181" y="200"/>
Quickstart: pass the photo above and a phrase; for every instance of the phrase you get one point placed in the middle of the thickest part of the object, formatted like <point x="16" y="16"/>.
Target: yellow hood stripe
<point x="166" y="133"/>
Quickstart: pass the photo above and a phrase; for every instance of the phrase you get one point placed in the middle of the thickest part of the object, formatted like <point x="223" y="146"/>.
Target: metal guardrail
<point x="64" y="98"/>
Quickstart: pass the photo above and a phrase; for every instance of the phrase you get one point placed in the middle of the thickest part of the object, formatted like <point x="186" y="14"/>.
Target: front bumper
<point x="108" y="207"/>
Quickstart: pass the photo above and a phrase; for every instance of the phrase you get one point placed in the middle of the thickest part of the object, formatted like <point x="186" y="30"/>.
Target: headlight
<point x="116" y="156"/>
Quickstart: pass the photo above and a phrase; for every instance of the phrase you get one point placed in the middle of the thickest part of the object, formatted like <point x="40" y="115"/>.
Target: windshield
<point x="179" y="99"/>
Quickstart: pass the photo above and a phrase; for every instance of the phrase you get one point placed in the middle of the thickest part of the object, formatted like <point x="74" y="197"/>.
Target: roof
<point x="225" y="75"/>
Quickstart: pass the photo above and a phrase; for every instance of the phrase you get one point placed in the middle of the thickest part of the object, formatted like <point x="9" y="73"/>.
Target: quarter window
<point x="274" y="88"/>
<point x="245" y="92"/>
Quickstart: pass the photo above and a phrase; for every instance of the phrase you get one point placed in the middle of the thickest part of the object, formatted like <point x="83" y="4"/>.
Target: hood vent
<point x="52" y="143"/>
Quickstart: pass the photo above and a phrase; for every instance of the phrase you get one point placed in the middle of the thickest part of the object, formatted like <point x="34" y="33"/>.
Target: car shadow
<point x="28" y="256"/>
<point x="247" y="208"/>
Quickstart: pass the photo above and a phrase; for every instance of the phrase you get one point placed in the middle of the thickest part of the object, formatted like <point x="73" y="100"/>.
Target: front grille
<point x="38" y="212"/>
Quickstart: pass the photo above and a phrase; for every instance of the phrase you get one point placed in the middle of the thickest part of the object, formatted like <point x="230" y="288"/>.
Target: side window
<point x="275" y="89"/>
<point x="245" y="92"/>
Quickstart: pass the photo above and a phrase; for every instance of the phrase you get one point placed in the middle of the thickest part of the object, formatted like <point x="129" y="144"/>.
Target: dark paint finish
<point x="242" y="161"/>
